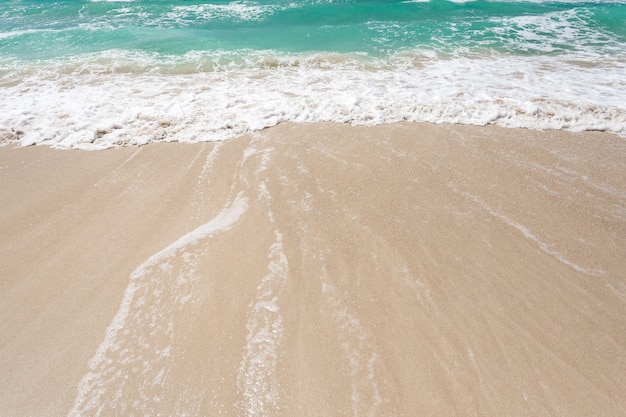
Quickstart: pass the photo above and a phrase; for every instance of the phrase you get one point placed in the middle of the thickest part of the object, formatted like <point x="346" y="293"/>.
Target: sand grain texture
<point x="317" y="270"/>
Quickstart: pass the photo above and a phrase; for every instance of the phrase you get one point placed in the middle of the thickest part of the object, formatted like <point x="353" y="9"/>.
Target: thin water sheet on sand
<point x="396" y="270"/>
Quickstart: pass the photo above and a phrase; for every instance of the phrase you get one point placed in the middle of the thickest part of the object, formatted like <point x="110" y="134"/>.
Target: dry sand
<point x="317" y="270"/>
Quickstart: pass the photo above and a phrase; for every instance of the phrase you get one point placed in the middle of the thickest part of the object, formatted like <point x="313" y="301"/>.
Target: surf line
<point x="95" y="384"/>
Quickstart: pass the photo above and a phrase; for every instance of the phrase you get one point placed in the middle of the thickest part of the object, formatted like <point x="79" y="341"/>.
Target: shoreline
<point x="13" y="140"/>
<point x="318" y="269"/>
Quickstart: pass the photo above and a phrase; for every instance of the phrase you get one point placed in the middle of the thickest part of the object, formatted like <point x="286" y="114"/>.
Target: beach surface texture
<point x="317" y="270"/>
<point x="313" y="208"/>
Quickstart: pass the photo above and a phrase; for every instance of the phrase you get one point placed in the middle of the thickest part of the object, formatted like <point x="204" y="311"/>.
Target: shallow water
<point x="95" y="74"/>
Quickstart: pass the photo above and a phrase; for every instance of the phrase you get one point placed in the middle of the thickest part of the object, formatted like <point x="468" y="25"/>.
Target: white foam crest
<point x="95" y="110"/>
<point x="238" y="10"/>
<point x="257" y="379"/>
<point x="63" y="31"/>
<point x="563" y="30"/>
<point x="562" y="1"/>
<point x="15" y="33"/>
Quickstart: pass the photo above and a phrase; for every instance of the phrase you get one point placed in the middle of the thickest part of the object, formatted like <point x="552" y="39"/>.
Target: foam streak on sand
<point x="529" y="235"/>
<point x="359" y="353"/>
<point x="141" y="335"/>
<point x="257" y="380"/>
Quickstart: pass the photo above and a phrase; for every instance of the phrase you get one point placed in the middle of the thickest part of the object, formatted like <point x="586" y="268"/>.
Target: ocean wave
<point x="561" y="31"/>
<point x="92" y="108"/>
<point x="237" y="10"/>
<point x="103" y="74"/>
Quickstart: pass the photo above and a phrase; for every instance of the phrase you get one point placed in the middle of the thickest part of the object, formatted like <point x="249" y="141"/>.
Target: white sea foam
<point x="15" y="33"/>
<point x="257" y="376"/>
<point x="106" y="101"/>
<point x="557" y="31"/>
<point x="208" y="12"/>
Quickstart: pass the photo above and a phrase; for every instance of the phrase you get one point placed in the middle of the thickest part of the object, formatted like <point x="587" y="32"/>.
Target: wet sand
<point x="317" y="270"/>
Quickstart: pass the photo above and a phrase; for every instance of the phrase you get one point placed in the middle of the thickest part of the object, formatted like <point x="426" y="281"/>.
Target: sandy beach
<point x="317" y="270"/>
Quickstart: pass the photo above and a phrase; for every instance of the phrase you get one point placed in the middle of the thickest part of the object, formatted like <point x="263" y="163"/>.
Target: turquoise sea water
<point x="93" y="74"/>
